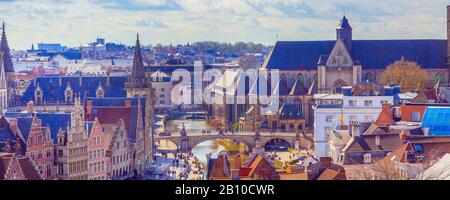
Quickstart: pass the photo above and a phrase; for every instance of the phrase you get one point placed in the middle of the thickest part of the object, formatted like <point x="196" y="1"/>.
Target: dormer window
<point x="367" y="158"/>
<point x="100" y="92"/>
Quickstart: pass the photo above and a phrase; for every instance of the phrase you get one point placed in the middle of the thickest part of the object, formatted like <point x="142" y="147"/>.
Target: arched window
<point x="369" y="77"/>
<point x="283" y="83"/>
<point x="38" y="96"/>
<point x="68" y="94"/>
<point x="300" y="78"/>
<point x="100" y="93"/>
<point x="339" y="83"/>
<point x="298" y="105"/>
<point x="438" y="78"/>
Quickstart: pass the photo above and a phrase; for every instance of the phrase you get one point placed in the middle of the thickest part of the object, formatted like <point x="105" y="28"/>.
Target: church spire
<point x="344" y="33"/>
<point x="138" y="72"/>
<point x="7" y="62"/>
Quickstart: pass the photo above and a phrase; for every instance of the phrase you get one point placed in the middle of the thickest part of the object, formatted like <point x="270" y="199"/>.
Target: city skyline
<point x="177" y="22"/>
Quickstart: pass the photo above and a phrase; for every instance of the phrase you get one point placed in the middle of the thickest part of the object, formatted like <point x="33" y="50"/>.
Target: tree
<point x="406" y="74"/>
<point x="248" y="62"/>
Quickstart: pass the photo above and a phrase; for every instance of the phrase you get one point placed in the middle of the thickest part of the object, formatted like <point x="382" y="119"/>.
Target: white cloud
<point x="169" y="21"/>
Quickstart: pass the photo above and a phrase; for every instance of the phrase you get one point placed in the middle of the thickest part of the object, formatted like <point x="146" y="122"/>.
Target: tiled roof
<point x="366" y="143"/>
<point x="328" y="174"/>
<point x="55" y="121"/>
<point x="28" y="168"/>
<point x="53" y="87"/>
<point x="297" y="55"/>
<point x="111" y="110"/>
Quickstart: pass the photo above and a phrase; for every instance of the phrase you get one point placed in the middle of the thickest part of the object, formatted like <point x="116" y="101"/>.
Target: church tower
<point x="3" y="85"/>
<point x="137" y="84"/>
<point x="7" y="65"/>
<point x="344" y="33"/>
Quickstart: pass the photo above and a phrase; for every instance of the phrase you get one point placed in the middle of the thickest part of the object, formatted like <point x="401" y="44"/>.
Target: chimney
<point x="426" y="131"/>
<point x="355" y="130"/>
<point x="325" y="161"/>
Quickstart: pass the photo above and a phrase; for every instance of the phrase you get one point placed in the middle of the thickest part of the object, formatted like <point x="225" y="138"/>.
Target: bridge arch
<point x="194" y="141"/>
<point x="277" y="143"/>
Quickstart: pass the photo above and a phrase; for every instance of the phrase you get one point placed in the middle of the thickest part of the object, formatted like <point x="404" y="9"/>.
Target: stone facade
<point x="40" y="149"/>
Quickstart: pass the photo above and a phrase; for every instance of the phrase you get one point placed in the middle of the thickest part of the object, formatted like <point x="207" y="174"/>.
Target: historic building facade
<point x="97" y="146"/>
<point x="311" y="67"/>
<point x="40" y="149"/>
<point x="139" y="85"/>
<point x="72" y="147"/>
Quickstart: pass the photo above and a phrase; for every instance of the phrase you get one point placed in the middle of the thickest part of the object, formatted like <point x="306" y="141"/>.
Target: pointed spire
<point x="344" y="24"/>
<point x="138" y="72"/>
<point x="7" y="62"/>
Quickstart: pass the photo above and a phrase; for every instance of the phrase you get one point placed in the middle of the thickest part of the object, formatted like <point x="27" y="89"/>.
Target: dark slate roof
<point x="54" y="91"/>
<point x="5" y="135"/>
<point x="295" y="55"/>
<point x="290" y="111"/>
<point x="111" y="110"/>
<point x="344" y="24"/>
<point x="54" y="120"/>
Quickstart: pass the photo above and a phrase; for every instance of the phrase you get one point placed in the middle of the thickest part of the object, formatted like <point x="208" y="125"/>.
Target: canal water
<point x="210" y="146"/>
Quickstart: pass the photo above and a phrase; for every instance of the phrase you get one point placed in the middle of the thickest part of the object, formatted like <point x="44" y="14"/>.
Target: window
<point x="329" y="118"/>
<point x="162" y="89"/>
<point x="353" y="118"/>
<point x="415" y="117"/>
<point x="352" y="103"/>
<point x="368" y="103"/>
<point x="368" y="118"/>
<point x="384" y="102"/>
<point x="367" y="158"/>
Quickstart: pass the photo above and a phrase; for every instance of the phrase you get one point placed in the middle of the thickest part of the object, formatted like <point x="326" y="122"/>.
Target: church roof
<point x="54" y="90"/>
<point x="305" y="55"/>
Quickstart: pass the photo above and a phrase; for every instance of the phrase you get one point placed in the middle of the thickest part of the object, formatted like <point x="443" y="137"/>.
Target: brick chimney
<point x="325" y="161"/>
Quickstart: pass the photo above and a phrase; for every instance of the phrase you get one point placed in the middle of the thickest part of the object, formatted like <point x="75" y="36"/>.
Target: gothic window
<point x="339" y="83"/>
<point x="438" y="78"/>
<point x="339" y="53"/>
<point x="334" y="61"/>
<point x="68" y="94"/>
<point x="300" y="78"/>
<point x="100" y="93"/>
<point x="38" y="96"/>
<point x="345" y="60"/>
<point x="284" y="82"/>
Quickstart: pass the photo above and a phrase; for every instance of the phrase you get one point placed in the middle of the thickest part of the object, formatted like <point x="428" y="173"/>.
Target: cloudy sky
<point x="75" y="22"/>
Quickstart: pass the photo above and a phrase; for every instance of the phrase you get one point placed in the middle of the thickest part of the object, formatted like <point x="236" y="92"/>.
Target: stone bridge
<point x="188" y="142"/>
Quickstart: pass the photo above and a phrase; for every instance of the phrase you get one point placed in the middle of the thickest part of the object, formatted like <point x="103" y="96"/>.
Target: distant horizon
<point x="180" y="22"/>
